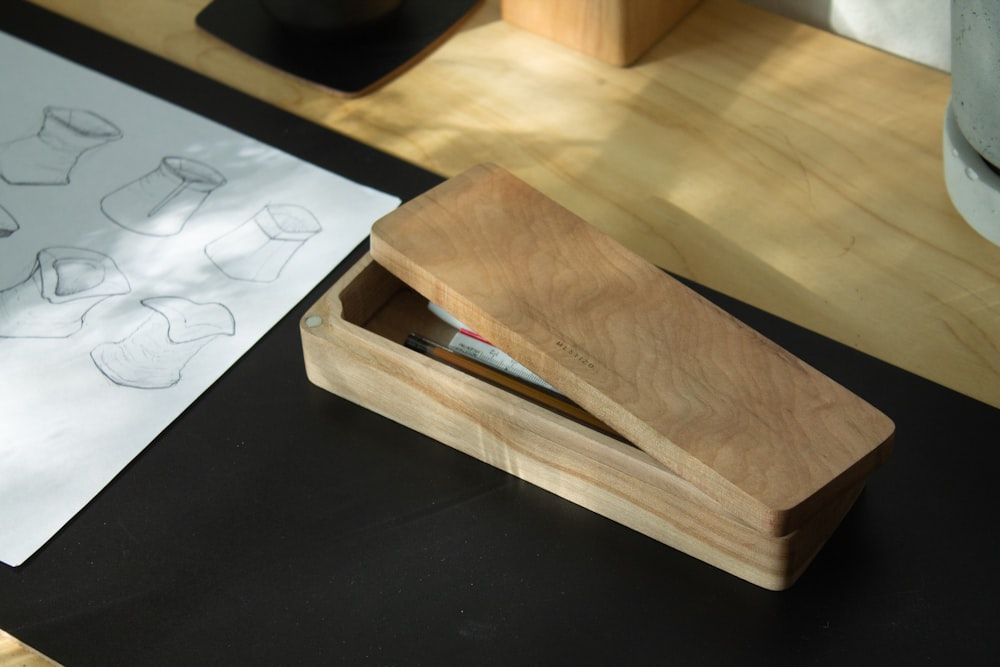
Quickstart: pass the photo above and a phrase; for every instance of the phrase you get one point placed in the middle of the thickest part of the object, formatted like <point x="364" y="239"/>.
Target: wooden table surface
<point x="787" y="167"/>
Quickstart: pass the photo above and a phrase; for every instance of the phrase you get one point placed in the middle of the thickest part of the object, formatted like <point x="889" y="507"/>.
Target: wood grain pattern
<point x="14" y="653"/>
<point x="789" y="168"/>
<point x="770" y="438"/>
<point x="363" y="360"/>
<point x="615" y="31"/>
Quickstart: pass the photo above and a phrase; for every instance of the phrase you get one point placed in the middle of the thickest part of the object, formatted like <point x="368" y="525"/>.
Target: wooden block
<point x="353" y="346"/>
<point x="765" y="435"/>
<point x="615" y="31"/>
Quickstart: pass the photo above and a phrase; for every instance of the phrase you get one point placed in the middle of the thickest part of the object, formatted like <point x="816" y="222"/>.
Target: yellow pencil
<point x="539" y="395"/>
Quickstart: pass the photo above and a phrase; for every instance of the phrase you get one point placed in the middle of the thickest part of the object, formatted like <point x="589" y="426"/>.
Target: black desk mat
<point x="274" y="523"/>
<point x="350" y="62"/>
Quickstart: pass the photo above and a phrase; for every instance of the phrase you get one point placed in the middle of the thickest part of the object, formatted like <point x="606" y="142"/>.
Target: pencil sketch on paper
<point x="153" y="356"/>
<point x="161" y="202"/>
<point x="53" y="301"/>
<point x="49" y="156"/>
<point x="260" y="248"/>
<point x="8" y="225"/>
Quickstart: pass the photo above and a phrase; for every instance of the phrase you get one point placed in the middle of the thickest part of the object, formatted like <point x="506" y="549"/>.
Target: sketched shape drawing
<point x="48" y="157"/>
<point x="53" y="300"/>
<point x="161" y="202"/>
<point x="260" y="248"/>
<point x="8" y="225"/>
<point x="154" y="355"/>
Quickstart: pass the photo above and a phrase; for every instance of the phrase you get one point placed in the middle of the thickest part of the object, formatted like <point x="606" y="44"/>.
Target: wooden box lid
<point x="770" y="438"/>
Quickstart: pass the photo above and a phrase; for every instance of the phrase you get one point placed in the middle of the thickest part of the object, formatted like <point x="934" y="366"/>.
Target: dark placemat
<point x="350" y="61"/>
<point x="274" y="523"/>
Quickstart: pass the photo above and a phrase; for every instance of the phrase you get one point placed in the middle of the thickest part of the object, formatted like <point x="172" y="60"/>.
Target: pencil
<point x="547" y="399"/>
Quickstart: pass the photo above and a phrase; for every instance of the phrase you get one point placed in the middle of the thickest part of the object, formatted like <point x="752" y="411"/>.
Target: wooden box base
<point x="353" y="346"/>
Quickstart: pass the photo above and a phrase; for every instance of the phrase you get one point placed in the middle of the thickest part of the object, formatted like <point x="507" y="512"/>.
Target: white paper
<point x="130" y="283"/>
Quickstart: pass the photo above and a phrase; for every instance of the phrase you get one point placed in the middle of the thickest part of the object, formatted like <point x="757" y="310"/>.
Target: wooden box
<point x="731" y="449"/>
<point x="615" y="31"/>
